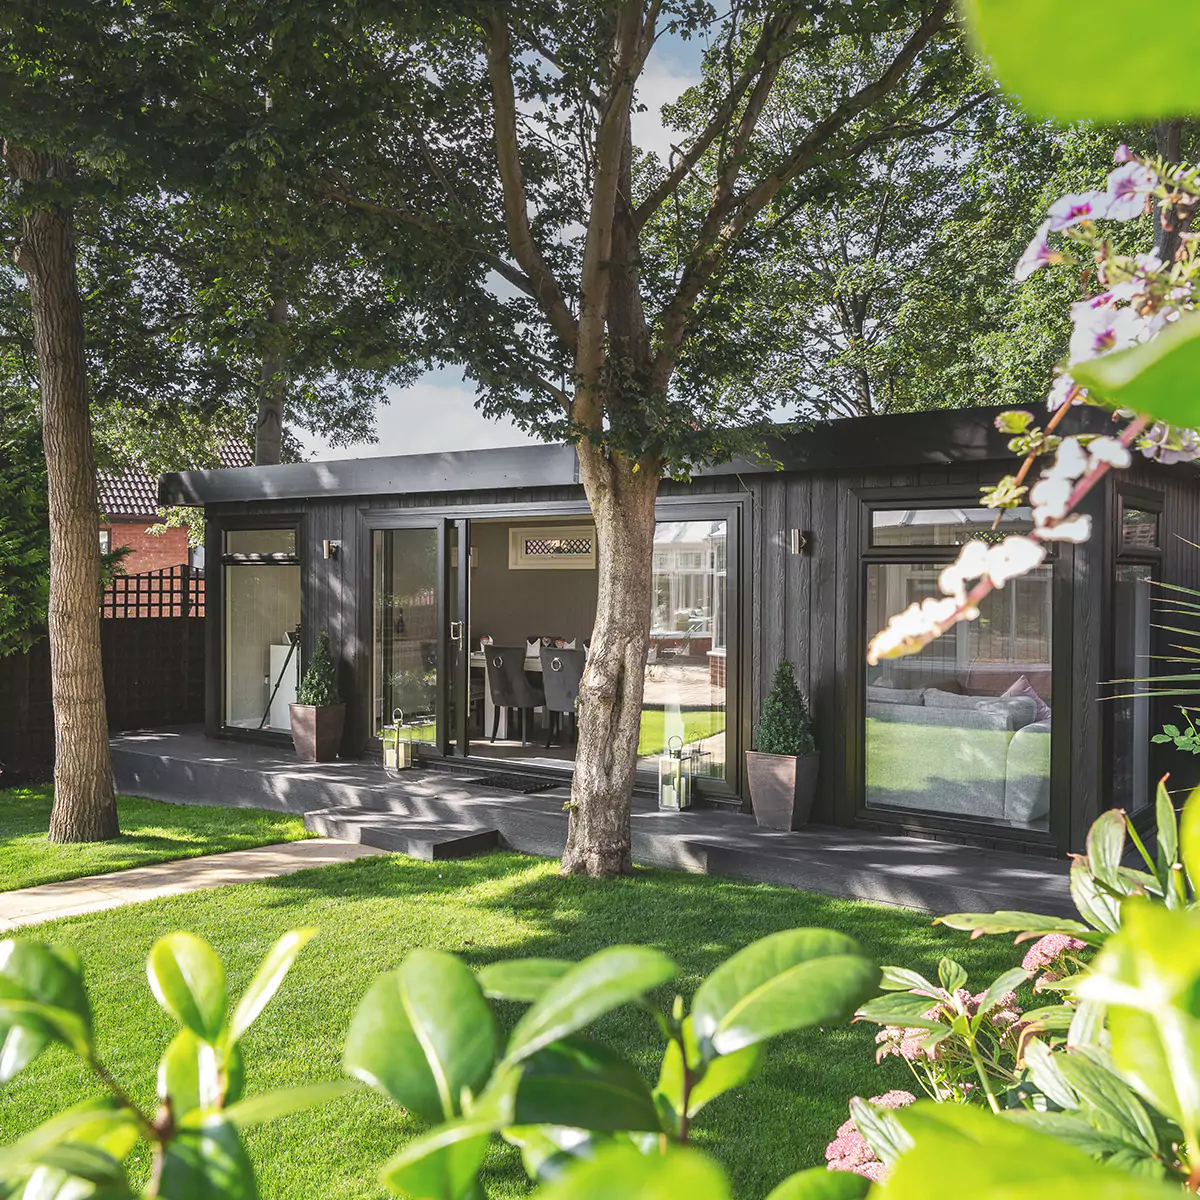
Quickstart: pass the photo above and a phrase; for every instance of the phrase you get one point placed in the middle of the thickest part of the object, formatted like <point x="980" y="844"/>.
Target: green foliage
<point x="784" y="725"/>
<point x="320" y="683"/>
<point x="1107" y="62"/>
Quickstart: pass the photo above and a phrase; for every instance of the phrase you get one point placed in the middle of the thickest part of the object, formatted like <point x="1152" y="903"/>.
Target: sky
<point x="438" y="412"/>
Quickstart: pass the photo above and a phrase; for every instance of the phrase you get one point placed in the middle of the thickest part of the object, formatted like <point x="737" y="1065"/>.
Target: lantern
<point x="397" y="744"/>
<point x="675" y="777"/>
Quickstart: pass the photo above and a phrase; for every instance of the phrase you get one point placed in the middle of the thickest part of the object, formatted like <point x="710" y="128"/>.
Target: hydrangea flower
<point x="849" y="1150"/>
<point x="1047" y="953"/>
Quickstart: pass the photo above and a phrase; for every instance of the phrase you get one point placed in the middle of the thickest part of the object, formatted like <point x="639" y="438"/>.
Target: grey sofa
<point x="979" y="756"/>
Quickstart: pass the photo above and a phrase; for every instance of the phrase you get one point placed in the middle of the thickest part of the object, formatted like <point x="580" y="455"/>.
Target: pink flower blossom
<point x="1064" y="391"/>
<point x="1128" y="187"/>
<point x="849" y="1150"/>
<point x="1122" y="154"/>
<point x="1100" y="329"/>
<point x="1171" y="444"/>
<point x="896" y="1098"/>
<point x="1046" y="954"/>
<point x="1037" y="254"/>
<point x="1081" y="206"/>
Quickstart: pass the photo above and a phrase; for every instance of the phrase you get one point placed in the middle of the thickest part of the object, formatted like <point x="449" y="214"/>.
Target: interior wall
<point x="512" y="606"/>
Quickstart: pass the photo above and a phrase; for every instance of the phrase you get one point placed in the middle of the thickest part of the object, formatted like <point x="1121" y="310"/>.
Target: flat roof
<point x="934" y="438"/>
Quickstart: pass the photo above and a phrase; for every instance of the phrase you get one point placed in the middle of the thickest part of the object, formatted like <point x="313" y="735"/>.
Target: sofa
<point x="941" y="750"/>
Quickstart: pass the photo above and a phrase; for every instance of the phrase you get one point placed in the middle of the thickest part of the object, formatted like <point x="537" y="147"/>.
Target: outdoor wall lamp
<point x="330" y="549"/>
<point x="796" y="541"/>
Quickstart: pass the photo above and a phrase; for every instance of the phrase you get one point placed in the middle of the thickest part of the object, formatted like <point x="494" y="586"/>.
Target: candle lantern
<point x="397" y="745"/>
<point x="675" y="777"/>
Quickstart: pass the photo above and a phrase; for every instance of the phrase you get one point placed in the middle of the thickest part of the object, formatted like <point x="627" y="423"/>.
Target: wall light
<point x="330" y="549"/>
<point x="796" y="541"/>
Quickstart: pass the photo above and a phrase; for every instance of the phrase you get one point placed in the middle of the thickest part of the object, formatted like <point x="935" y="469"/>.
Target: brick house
<point x="129" y="508"/>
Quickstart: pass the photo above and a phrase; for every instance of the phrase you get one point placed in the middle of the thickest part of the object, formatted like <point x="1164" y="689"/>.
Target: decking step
<point x="426" y="840"/>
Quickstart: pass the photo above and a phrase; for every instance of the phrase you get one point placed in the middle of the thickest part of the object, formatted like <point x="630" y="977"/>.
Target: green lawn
<point x="372" y="912"/>
<point x="697" y="725"/>
<point x="150" y="832"/>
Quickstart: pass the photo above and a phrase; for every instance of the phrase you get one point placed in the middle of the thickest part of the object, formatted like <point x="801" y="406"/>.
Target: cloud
<point x="663" y="81"/>
<point x="436" y="413"/>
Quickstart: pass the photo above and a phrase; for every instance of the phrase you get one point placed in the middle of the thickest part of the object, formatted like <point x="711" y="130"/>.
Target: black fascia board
<point x="934" y="438"/>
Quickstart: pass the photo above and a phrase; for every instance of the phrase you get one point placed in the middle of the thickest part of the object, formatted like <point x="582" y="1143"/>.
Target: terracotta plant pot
<point x="782" y="788"/>
<point x="317" y="730"/>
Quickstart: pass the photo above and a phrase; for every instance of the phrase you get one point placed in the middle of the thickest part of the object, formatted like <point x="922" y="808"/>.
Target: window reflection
<point x="963" y="727"/>
<point x="1131" y="715"/>
<point x="685" y="690"/>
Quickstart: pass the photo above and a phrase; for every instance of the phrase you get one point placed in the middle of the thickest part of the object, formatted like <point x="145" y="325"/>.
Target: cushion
<point x="887" y="695"/>
<point x="1020" y="708"/>
<point x="1023" y="687"/>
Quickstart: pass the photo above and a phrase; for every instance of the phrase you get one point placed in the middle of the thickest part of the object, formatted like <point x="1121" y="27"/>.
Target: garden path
<point x="71" y="897"/>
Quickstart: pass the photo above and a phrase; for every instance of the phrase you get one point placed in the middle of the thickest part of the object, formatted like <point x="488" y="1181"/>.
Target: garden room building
<point x="459" y="592"/>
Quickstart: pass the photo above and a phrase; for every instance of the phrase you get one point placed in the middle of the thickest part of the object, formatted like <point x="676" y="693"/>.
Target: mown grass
<point x="371" y="913"/>
<point x="151" y="832"/>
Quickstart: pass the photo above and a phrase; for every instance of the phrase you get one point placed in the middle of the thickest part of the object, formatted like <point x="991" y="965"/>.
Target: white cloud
<point x="663" y="81"/>
<point x="436" y="413"/>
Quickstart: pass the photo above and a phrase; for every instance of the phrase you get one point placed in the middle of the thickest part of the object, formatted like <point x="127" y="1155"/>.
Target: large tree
<point x="579" y="273"/>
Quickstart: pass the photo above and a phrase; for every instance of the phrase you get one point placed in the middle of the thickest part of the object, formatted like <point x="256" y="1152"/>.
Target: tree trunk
<point x="610" y="693"/>
<point x="1167" y="139"/>
<point x="272" y="392"/>
<point x="85" y="808"/>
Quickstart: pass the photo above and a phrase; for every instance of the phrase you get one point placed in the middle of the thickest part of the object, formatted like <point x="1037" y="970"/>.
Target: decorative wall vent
<point x="552" y="548"/>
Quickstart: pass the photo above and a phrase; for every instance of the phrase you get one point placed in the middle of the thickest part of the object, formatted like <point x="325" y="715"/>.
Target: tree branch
<point x="516" y="206"/>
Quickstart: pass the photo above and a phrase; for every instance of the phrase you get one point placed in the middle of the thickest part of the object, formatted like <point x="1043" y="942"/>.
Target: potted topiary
<point x="783" y="770"/>
<point x="318" y="715"/>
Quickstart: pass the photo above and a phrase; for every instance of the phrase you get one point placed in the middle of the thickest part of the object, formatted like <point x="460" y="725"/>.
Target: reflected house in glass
<point x="998" y="734"/>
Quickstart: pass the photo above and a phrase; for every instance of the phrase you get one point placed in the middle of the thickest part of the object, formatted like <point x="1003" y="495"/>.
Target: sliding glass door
<point x="416" y="634"/>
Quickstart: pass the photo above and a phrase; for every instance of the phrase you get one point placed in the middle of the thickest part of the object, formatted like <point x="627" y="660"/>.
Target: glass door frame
<point x="853" y="810"/>
<point x="735" y="508"/>
<point x="215" y="591"/>
<point x="447" y="741"/>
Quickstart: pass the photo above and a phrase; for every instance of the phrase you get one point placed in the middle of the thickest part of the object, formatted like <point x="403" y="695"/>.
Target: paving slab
<point x="95" y="893"/>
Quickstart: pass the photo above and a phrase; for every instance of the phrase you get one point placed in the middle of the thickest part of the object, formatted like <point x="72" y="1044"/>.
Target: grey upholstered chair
<point x="561" y="673"/>
<point x="509" y="686"/>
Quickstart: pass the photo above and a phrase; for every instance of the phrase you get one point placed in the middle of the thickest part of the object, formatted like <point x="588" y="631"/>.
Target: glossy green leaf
<point x="818" y="1183"/>
<point x="423" y="1034"/>
<point x="1103" y="61"/>
<point x="267" y="979"/>
<point x="1033" y="924"/>
<point x="621" y="1171"/>
<point x="548" y="1152"/>
<point x="1000" y="987"/>
<point x="1087" y="1025"/>
<point x="881" y="1130"/>
<point x="42" y="999"/>
<point x="187" y="979"/>
<point x="102" y="1123"/>
<point x="577" y="1082"/>
<point x="900" y="1008"/>
<point x="600" y="983"/>
<point x="1149" y="977"/>
<point x="1106" y="845"/>
<point x="188" y="1075"/>
<point x="1157" y="378"/>
<point x="1100" y="909"/>
<point x="87" y="1163"/>
<point x="207" y="1163"/>
<point x="789" y="980"/>
<point x="961" y="1150"/>
<point x="951" y="975"/>
<point x="441" y="1165"/>
<point x="1189" y="839"/>
<point x="1167" y="831"/>
<point x="269" y="1106"/>
<point x="522" y="979"/>
<point x="720" y="1075"/>
<point x="901" y="979"/>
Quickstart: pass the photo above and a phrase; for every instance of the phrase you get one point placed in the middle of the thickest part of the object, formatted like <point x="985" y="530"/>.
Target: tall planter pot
<point x="317" y="730"/>
<point x="782" y="788"/>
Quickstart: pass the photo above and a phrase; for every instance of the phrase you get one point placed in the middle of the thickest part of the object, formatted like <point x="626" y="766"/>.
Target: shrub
<point x="320" y="684"/>
<point x="784" y="725"/>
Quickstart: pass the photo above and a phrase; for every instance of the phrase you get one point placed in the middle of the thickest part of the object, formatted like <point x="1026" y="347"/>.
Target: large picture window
<point x="962" y="728"/>
<point x="262" y="628"/>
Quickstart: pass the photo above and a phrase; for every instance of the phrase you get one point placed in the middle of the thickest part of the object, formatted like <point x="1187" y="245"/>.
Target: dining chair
<point x="561" y="672"/>
<point x="509" y="686"/>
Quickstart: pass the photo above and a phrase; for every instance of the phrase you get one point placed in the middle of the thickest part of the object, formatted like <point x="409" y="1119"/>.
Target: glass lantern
<point x="675" y="777"/>
<point x="397" y="745"/>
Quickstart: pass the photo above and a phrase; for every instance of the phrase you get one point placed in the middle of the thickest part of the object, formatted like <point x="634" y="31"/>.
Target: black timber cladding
<point x="803" y="606"/>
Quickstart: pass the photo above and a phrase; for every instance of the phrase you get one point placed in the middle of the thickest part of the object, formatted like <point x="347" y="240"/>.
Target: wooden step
<point x="426" y="840"/>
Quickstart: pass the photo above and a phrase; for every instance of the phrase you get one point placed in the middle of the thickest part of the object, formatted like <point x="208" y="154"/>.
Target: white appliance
<point x="279" y="718"/>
